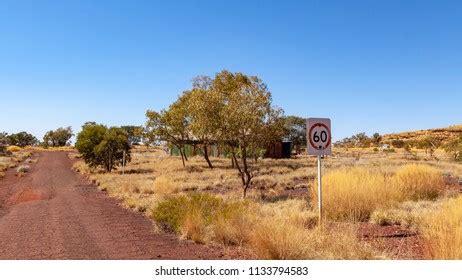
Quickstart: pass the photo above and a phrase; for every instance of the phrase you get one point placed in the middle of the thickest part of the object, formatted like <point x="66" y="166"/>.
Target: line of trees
<point x="231" y="110"/>
<point x="360" y="140"/>
<point x="20" y="139"/>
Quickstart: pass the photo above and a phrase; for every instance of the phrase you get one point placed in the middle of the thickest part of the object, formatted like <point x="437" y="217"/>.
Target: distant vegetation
<point x="20" y="139"/>
<point x="58" y="138"/>
<point x="449" y="139"/>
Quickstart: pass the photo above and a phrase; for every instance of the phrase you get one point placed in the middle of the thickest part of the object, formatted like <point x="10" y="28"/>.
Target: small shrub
<point x="13" y="149"/>
<point x="202" y="217"/>
<point x="81" y="167"/>
<point x="231" y="223"/>
<point x="23" y="169"/>
<point x="171" y="212"/>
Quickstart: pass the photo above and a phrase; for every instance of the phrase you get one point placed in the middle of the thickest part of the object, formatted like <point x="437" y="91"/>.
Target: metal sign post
<point x="319" y="190"/>
<point x="319" y="141"/>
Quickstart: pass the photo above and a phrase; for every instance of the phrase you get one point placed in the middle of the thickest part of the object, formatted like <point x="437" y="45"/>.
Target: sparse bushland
<point x="232" y="110"/>
<point x="269" y="222"/>
<point x="353" y="194"/>
<point x="442" y="231"/>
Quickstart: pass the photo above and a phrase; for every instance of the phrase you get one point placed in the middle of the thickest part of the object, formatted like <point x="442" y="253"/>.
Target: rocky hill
<point x="441" y="134"/>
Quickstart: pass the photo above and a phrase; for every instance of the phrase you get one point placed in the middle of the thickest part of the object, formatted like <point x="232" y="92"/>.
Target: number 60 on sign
<point x="319" y="137"/>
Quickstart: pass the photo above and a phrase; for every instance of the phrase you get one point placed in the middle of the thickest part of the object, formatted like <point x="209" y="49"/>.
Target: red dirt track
<point x="53" y="213"/>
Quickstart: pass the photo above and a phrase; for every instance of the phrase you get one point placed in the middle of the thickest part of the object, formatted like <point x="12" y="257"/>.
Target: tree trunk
<point x="182" y="156"/>
<point x="239" y="169"/>
<point x="247" y="177"/>
<point x="206" y="156"/>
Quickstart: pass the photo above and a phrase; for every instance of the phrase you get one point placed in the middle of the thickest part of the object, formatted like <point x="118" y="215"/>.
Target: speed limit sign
<point x="319" y="137"/>
<point x="319" y="140"/>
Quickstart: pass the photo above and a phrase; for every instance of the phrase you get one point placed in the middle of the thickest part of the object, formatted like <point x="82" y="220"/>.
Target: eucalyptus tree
<point x="171" y="125"/>
<point x="249" y="121"/>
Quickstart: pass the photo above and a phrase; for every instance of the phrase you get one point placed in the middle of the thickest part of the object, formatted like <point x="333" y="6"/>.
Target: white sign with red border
<point x="319" y="137"/>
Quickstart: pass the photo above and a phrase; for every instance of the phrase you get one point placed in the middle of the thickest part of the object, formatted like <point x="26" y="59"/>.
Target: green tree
<point x="58" y="138"/>
<point x="248" y="118"/>
<point x="3" y="142"/>
<point x="170" y="125"/>
<point x="295" y="131"/>
<point x="22" y="139"/>
<point x="103" y="147"/>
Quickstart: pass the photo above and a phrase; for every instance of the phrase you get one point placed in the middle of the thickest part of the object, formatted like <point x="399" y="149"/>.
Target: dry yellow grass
<point x="163" y="186"/>
<point x="407" y="214"/>
<point x="81" y="167"/>
<point x="415" y="182"/>
<point x="353" y="194"/>
<point x="13" y="149"/>
<point x="442" y="232"/>
<point x="282" y="240"/>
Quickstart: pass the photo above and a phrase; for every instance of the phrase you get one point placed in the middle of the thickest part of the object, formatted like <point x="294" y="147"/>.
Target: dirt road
<point x="53" y="213"/>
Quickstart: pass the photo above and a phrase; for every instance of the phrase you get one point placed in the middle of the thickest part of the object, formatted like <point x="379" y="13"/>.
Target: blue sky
<point x="372" y="66"/>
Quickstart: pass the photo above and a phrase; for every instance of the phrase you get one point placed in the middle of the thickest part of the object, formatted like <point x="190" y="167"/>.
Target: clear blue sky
<point x="384" y="66"/>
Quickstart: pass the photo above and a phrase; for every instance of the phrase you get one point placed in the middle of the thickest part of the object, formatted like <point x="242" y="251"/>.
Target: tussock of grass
<point x="163" y="186"/>
<point x="416" y="182"/>
<point x="408" y="214"/>
<point x="353" y="194"/>
<point x="282" y="240"/>
<point x="442" y="232"/>
<point x="189" y="215"/>
<point x="13" y="149"/>
<point x="81" y="167"/>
